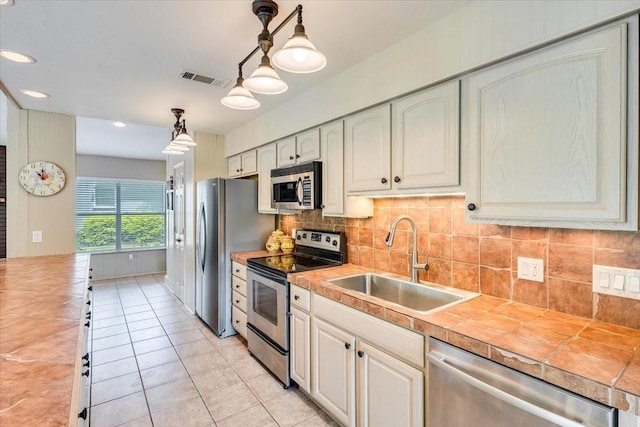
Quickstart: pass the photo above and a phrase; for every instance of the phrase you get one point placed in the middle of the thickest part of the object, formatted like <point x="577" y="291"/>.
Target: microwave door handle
<point x="299" y="190"/>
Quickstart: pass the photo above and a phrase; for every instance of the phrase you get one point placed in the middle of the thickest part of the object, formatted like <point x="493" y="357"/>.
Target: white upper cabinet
<point x="334" y="200"/>
<point x="243" y="164"/>
<point x="421" y="155"/>
<point x="549" y="134"/>
<point x="302" y="148"/>
<point x="368" y="150"/>
<point x="426" y="138"/>
<point x="266" y="159"/>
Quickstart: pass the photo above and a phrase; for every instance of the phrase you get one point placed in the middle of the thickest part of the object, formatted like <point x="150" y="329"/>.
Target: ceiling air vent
<point x="190" y="75"/>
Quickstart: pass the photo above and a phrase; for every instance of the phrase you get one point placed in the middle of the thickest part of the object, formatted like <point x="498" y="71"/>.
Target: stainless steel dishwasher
<point x="468" y="390"/>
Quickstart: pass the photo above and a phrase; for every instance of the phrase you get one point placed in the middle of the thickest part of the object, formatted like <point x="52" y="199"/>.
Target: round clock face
<point x="42" y="178"/>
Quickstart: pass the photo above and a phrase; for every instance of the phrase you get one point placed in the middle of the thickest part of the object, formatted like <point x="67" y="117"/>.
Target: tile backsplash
<point x="483" y="257"/>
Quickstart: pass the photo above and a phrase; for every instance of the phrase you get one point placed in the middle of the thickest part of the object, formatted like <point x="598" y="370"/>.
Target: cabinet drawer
<point x="239" y="320"/>
<point x="239" y="301"/>
<point x="239" y="285"/>
<point x="300" y="298"/>
<point x="393" y="339"/>
<point x="239" y="270"/>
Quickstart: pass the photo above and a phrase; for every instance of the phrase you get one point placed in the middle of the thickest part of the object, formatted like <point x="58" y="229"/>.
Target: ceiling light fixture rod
<point x="265" y="22"/>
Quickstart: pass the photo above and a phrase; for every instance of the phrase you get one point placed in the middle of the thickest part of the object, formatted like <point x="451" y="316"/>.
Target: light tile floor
<point x="156" y="364"/>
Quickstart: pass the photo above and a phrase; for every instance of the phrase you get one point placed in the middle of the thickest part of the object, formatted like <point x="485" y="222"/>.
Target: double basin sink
<point x="419" y="297"/>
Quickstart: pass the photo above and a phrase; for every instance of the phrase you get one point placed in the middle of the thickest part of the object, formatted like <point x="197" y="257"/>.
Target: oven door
<point x="267" y="305"/>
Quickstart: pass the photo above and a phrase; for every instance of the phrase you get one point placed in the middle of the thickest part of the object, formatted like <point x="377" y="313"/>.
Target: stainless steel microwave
<point x="297" y="187"/>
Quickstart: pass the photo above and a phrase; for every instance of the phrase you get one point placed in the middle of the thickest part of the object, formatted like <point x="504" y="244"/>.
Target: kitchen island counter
<point x="598" y="360"/>
<point x="41" y="305"/>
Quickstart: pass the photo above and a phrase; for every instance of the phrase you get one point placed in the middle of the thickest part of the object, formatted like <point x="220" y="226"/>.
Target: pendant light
<point x="180" y="135"/>
<point x="298" y="55"/>
<point x="239" y="97"/>
<point x="265" y="80"/>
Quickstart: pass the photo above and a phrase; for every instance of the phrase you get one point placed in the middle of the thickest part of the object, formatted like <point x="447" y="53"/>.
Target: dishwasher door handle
<point x="440" y="362"/>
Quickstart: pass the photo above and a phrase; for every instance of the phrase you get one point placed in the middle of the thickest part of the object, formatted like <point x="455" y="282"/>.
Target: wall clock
<point x="42" y="178"/>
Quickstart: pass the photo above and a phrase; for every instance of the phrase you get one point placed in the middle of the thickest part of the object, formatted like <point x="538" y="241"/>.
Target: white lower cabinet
<point x="365" y="371"/>
<point x="334" y="371"/>
<point x="300" y="347"/>
<point x="391" y="392"/>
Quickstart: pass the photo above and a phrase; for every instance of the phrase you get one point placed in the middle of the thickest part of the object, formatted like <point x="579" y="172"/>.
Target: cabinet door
<point x="249" y="163"/>
<point x="368" y="150"/>
<point x="426" y="138"/>
<point x="391" y="392"/>
<point x="266" y="162"/>
<point x="300" y="341"/>
<point x="286" y="152"/>
<point x="235" y="165"/>
<point x="333" y="361"/>
<point x="308" y="146"/>
<point x="547" y="135"/>
<point x="332" y="141"/>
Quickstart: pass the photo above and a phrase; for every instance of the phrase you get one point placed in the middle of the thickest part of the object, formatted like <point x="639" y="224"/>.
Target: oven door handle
<point x="299" y="191"/>
<point x="263" y="272"/>
<point x="441" y="362"/>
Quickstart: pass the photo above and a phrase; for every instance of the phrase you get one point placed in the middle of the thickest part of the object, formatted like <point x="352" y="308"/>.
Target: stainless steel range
<point x="268" y="294"/>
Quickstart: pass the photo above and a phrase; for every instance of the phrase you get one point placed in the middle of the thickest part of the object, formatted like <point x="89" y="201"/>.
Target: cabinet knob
<point x="237" y="286"/>
<point x="237" y="170"/>
<point x="360" y="353"/>
<point x="90" y="288"/>
<point x="297" y="297"/>
<point x="471" y="206"/>
<point x="237" y="301"/>
<point x="322" y="206"/>
<point x="290" y="157"/>
<point x="237" y="321"/>
<point x="88" y="302"/>
<point x="383" y="180"/>
<point x="90" y="277"/>
<point x="396" y="179"/>
<point x="87" y="324"/>
<point x="237" y="270"/>
<point x="86" y="356"/>
<point x="347" y="345"/>
<point x="87" y="364"/>
<point x="297" y="156"/>
<point x="86" y="374"/>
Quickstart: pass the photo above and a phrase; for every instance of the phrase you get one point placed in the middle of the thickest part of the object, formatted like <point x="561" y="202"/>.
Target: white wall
<point x="473" y="36"/>
<point x="33" y="136"/>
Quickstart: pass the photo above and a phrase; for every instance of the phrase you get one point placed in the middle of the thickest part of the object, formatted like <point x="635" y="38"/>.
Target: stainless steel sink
<point x="420" y="297"/>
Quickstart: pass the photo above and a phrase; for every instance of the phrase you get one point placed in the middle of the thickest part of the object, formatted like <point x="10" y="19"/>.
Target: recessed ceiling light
<point x="34" y="93"/>
<point x="16" y="56"/>
<point x="119" y="124"/>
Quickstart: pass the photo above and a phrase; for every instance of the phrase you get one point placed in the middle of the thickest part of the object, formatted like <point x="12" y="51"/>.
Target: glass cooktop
<point x="291" y="263"/>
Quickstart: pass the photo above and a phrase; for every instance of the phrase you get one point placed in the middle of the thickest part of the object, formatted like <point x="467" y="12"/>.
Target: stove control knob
<point x="298" y="237"/>
<point x="335" y="243"/>
<point x="327" y="239"/>
<point x="304" y="235"/>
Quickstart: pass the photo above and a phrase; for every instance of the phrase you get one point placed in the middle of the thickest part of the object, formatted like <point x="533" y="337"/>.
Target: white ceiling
<point x="119" y="60"/>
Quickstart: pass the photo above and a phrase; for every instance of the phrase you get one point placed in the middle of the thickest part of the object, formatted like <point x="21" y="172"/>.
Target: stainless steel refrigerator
<point x="228" y="221"/>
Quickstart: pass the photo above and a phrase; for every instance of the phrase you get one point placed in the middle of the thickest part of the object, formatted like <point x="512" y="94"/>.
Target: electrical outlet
<point x="36" y="236"/>
<point x="130" y="257"/>
<point x="531" y="269"/>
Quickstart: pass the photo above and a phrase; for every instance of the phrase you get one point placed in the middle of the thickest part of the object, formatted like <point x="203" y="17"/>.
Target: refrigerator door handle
<point x="201" y="240"/>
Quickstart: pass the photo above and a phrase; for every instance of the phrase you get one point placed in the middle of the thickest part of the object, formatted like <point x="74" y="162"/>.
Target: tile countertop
<point x="41" y="302"/>
<point x="595" y="359"/>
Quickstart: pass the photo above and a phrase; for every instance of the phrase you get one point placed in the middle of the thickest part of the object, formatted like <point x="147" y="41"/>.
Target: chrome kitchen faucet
<point x="414" y="256"/>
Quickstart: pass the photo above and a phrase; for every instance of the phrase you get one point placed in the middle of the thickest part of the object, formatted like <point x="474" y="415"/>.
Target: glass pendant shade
<point x="172" y="149"/>
<point x="265" y="80"/>
<point x="183" y="138"/>
<point x="299" y="55"/>
<point x="240" y="98"/>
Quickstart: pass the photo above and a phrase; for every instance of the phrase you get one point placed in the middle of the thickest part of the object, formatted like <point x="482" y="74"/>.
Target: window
<point x="119" y="215"/>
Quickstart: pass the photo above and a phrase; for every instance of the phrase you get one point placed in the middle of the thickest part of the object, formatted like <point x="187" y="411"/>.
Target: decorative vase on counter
<point x="272" y="245"/>
<point x="287" y="244"/>
<point x="278" y="234"/>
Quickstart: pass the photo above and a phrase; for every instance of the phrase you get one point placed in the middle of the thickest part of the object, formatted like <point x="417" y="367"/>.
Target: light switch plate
<point x="36" y="236"/>
<point x="621" y="282"/>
